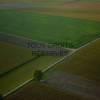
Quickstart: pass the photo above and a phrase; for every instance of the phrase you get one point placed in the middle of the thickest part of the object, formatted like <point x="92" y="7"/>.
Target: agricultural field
<point x="49" y="28"/>
<point x="38" y="91"/>
<point x="87" y="11"/>
<point x="70" y="22"/>
<point x="78" y="73"/>
<point x="45" y="1"/>
<point x="15" y="1"/>
<point x="17" y="77"/>
<point x="85" y="62"/>
<point x="81" y="9"/>
<point x="75" y="22"/>
<point x="12" y="56"/>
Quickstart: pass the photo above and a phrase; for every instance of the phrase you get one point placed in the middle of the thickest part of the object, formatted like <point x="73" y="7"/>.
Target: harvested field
<point x="84" y="62"/>
<point x="74" y="22"/>
<point x="78" y="73"/>
<point x="82" y="6"/>
<point x="74" y="84"/>
<point x="85" y="15"/>
<point x="88" y="11"/>
<point x="37" y="91"/>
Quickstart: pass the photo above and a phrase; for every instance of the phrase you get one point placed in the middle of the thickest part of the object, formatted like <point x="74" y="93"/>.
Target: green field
<point x="52" y="21"/>
<point x="38" y="91"/>
<point x="11" y="56"/>
<point x="20" y="75"/>
<point x="49" y="28"/>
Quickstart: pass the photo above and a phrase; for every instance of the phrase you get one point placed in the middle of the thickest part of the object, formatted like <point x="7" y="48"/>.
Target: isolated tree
<point x="1" y="97"/>
<point x="38" y="74"/>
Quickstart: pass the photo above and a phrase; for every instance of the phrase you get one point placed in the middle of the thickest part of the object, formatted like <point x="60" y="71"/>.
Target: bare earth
<point x="89" y="11"/>
<point x="84" y="6"/>
<point x="74" y="84"/>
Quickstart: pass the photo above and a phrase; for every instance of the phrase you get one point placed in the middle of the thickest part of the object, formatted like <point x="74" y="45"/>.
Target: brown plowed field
<point x="89" y="11"/>
<point x="84" y="6"/>
<point x="36" y="91"/>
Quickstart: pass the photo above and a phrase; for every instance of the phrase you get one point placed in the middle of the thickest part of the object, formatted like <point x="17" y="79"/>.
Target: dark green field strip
<point x="22" y="74"/>
<point x="49" y="28"/>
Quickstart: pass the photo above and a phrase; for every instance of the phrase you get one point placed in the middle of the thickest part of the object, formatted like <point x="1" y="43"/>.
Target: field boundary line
<point x="42" y="46"/>
<point x="31" y="40"/>
<point x="49" y="67"/>
<point x="18" y="87"/>
<point x="20" y="65"/>
<point x="71" y="53"/>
